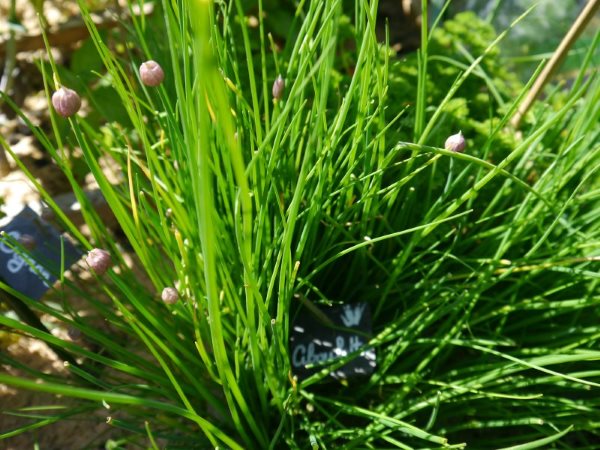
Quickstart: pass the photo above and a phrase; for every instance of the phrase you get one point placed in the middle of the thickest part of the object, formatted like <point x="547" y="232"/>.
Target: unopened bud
<point x="74" y="334"/>
<point x="98" y="260"/>
<point x="66" y="102"/>
<point x="278" y="88"/>
<point x="151" y="73"/>
<point x="456" y="143"/>
<point x="27" y="241"/>
<point x="169" y="295"/>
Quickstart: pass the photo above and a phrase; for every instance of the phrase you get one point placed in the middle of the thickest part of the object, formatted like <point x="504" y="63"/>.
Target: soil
<point x="16" y="191"/>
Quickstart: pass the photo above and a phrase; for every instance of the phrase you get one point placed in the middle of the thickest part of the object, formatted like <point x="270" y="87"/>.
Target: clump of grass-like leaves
<point x="481" y="268"/>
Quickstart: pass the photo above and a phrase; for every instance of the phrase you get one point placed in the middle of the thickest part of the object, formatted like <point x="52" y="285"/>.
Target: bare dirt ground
<point x="16" y="190"/>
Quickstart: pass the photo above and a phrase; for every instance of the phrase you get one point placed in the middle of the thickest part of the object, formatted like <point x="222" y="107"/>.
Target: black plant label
<point x="319" y="339"/>
<point x="34" y="269"/>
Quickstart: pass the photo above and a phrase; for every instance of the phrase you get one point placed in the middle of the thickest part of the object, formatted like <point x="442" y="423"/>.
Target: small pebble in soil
<point x="98" y="260"/>
<point x="151" y="73"/>
<point x="170" y="295"/>
<point x="456" y="143"/>
<point x="66" y="102"/>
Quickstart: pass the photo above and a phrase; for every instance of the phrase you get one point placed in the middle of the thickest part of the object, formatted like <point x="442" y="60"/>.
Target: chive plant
<point x="241" y="201"/>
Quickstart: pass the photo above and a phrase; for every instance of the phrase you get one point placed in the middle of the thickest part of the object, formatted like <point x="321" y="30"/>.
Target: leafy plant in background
<point x="480" y="102"/>
<point x="481" y="271"/>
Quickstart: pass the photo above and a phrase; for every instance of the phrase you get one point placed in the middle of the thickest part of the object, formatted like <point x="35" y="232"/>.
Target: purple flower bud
<point x="66" y="102"/>
<point x="456" y="143"/>
<point x="27" y="241"/>
<point x="151" y="73"/>
<point x="170" y="295"/>
<point x="98" y="260"/>
<point x="74" y="334"/>
<point x="278" y="88"/>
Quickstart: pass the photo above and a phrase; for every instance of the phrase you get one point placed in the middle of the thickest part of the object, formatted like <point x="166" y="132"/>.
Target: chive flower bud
<point x="74" y="334"/>
<point x="27" y="241"/>
<point x="278" y="88"/>
<point x="151" y="73"/>
<point x="456" y="143"/>
<point x="66" y="102"/>
<point x="98" y="260"/>
<point x="170" y="295"/>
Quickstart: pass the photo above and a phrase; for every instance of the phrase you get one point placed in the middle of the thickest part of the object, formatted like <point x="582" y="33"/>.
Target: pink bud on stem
<point x="151" y="73"/>
<point x="66" y="102"/>
<point x="456" y="143"/>
<point x="27" y="241"/>
<point x="278" y="88"/>
<point x="98" y="260"/>
<point x="170" y="295"/>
